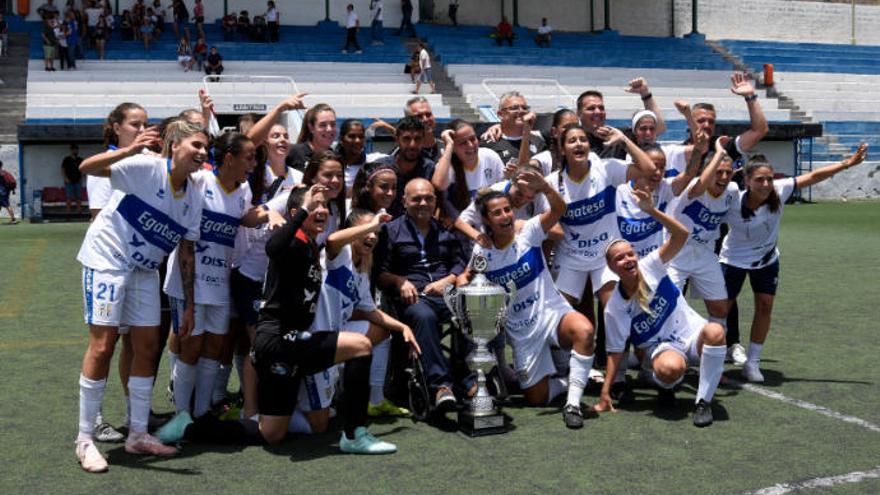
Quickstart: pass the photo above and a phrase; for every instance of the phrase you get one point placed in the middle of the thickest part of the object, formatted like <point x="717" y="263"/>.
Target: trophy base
<point x="478" y="426"/>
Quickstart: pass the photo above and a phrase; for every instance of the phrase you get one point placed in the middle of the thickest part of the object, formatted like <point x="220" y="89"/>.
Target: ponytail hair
<point x="461" y="197"/>
<point x="773" y="202"/>
<point x="257" y="178"/>
<point x="117" y="116"/>
<point x="230" y="143"/>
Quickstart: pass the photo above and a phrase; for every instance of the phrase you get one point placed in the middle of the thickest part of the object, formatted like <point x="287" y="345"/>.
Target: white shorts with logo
<point x="532" y="356"/>
<point x="572" y="281"/>
<point x="702" y="268"/>
<point x="686" y="345"/>
<point x="211" y="318"/>
<point x="316" y="391"/>
<point x="116" y="297"/>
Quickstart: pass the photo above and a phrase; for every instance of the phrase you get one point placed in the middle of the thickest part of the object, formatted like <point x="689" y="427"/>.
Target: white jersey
<point x="539" y="205"/>
<point x="703" y="214"/>
<point x="99" y="191"/>
<point x="350" y="173"/>
<point x="145" y="220"/>
<point x="546" y="160"/>
<point x="589" y="222"/>
<point x="221" y="214"/>
<point x="250" y="247"/>
<point x="489" y="170"/>
<point x="671" y="319"/>
<point x="344" y="290"/>
<point x="641" y="230"/>
<point x="751" y="242"/>
<point x="522" y="262"/>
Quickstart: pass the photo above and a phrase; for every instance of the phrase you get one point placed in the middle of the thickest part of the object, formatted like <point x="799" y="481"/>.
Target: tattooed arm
<point x="186" y="259"/>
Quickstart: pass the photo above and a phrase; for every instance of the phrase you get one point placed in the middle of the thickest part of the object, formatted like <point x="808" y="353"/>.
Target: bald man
<point x="417" y="258"/>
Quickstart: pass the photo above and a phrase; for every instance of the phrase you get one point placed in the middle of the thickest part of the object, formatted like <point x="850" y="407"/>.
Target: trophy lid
<point x="480" y="285"/>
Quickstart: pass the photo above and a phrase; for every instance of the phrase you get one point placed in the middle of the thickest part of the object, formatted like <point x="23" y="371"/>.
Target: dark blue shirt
<point x="402" y="252"/>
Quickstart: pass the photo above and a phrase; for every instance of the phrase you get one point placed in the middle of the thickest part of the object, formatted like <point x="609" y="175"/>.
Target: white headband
<point x="642" y="114"/>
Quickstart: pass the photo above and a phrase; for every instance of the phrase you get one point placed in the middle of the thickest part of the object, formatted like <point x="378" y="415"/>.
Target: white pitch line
<point x="809" y="406"/>
<point x="853" y="477"/>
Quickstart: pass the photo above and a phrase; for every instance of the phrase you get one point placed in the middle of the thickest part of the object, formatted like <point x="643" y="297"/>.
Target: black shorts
<point x="763" y="280"/>
<point x="283" y="359"/>
<point x="246" y="295"/>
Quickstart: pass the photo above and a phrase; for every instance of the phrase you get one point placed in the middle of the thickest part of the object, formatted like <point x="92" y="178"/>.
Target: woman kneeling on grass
<point x="649" y="310"/>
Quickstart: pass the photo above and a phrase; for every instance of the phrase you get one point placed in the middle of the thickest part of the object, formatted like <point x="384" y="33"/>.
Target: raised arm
<point x="337" y="240"/>
<point x="818" y="175"/>
<point x="642" y="165"/>
<point x="440" y="179"/>
<point x="701" y="145"/>
<point x="278" y="244"/>
<point x="99" y="165"/>
<point x="678" y="234"/>
<point x="708" y="174"/>
<point x="640" y="86"/>
<point x="536" y="182"/>
<point x="260" y="131"/>
<point x="740" y="85"/>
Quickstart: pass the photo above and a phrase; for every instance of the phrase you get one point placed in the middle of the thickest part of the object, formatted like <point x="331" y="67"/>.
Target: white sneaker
<point x="90" y="457"/>
<point x="752" y="373"/>
<point x="737" y="354"/>
<point x="146" y="444"/>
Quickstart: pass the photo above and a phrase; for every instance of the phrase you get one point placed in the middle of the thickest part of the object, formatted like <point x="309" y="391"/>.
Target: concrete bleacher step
<point x="13" y="90"/>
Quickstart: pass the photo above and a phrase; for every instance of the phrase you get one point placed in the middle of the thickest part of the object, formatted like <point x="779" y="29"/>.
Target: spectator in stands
<point x="407" y="158"/>
<point x="92" y="13"/>
<point x="109" y="20"/>
<point x="352" y="25"/>
<point x="4" y="35"/>
<point x="243" y="25"/>
<point x="425" y="76"/>
<point x="512" y="109"/>
<point x="199" y="18"/>
<point x="100" y="34"/>
<point x="406" y="10"/>
<point x="160" y="14"/>
<point x="61" y="37"/>
<point x="200" y="53"/>
<point x="127" y="26"/>
<point x="419" y="106"/>
<point x="315" y="137"/>
<point x="245" y="122"/>
<point x="181" y="18"/>
<point x="184" y="55"/>
<point x="214" y="63"/>
<point x="7" y="188"/>
<point x="147" y="32"/>
<point x="453" y="12"/>
<point x="48" y="10"/>
<point x="72" y="179"/>
<point x="260" y="30"/>
<point x="50" y="44"/>
<point x="156" y="21"/>
<point x="542" y="39"/>
<point x="417" y="258"/>
<point x="377" y="12"/>
<point x="503" y="32"/>
<point x="273" y="18"/>
<point x="228" y="26"/>
<point x="71" y="25"/>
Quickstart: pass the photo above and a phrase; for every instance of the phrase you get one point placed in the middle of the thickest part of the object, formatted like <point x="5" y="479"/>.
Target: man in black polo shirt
<point x="72" y="179"/>
<point x="511" y="109"/>
<point x="417" y="259"/>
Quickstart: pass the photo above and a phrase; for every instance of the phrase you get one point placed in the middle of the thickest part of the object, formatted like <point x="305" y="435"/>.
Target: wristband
<point x="647" y="97"/>
<point x="751" y="98"/>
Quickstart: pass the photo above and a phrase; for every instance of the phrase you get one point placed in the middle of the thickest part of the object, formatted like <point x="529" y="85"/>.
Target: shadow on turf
<point x="774" y="378"/>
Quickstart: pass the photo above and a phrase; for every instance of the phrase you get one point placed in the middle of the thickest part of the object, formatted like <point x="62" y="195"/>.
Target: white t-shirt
<point x="546" y="161"/>
<point x="672" y="320"/>
<point x="344" y="290"/>
<point x="544" y="29"/>
<point x="703" y="214"/>
<point x="93" y="15"/>
<point x="641" y="230"/>
<point x="221" y="214"/>
<point x="522" y="262"/>
<point x="378" y="12"/>
<point x="250" y="247"/>
<point x="489" y="170"/>
<point x="539" y="205"/>
<point x="751" y="243"/>
<point x="141" y="225"/>
<point x="589" y="222"/>
<point x="99" y="191"/>
<point x="424" y="59"/>
<point x="350" y="173"/>
<point x="352" y="20"/>
<point x="272" y="15"/>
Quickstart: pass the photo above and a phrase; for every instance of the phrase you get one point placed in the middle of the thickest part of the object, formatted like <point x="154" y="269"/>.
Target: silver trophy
<point x="479" y="309"/>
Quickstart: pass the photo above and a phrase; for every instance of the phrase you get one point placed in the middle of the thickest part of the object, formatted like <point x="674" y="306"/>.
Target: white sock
<point x="238" y="359"/>
<point x="578" y="374"/>
<point x="221" y="382"/>
<point x="184" y="376"/>
<point x="172" y="360"/>
<point x="91" y="394"/>
<point x="99" y="418"/>
<point x="299" y="423"/>
<point x="720" y="321"/>
<point x="378" y="368"/>
<point x="556" y="386"/>
<point x="755" y="353"/>
<point x="207" y="374"/>
<point x="127" y="421"/>
<point x="140" y="391"/>
<point x="711" y="367"/>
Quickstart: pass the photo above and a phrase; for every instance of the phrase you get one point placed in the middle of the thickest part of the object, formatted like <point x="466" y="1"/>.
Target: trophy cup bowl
<point x="479" y="309"/>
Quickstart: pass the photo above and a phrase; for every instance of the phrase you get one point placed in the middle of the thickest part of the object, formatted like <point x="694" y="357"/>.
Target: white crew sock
<point x="140" y="391"/>
<point x="578" y="374"/>
<point x="754" y="355"/>
<point x="711" y="367"/>
<point x="299" y="423"/>
<point x="378" y="368"/>
<point x="91" y="394"/>
<point x="207" y="374"/>
<point x="221" y="382"/>
<point x="555" y="387"/>
<point x="100" y="417"/>
<point x="184" y="376"/>
<point x="238" y="359"/>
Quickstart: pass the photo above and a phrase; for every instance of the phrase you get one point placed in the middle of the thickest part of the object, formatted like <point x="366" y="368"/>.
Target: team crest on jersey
<point x="160" y="193"/>
<point x="209" y="194"/>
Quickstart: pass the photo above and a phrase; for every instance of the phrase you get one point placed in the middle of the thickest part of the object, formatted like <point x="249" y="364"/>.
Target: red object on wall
<point x="24" y="7"/>
<point x="768" y="74"/>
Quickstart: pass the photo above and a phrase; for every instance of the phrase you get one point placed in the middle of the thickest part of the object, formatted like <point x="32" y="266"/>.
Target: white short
<point x="316" y="391"/>
<point x="183" y="58"/>
<point x="116" y="297"/>
<point x="573" y="281"/>
<point x="532" y="357"/>
<point x="702" y="268"/>
<point x="356" y="326"/>
<point x="211" y="318"/>
<point x="686" y="345"/>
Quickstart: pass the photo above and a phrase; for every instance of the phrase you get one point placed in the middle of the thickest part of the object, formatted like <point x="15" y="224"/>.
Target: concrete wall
<point x="293" y="12"/>
<point x="9" y="157"/>
<point x="43" y="164"/>
<point x="862" y="182"/>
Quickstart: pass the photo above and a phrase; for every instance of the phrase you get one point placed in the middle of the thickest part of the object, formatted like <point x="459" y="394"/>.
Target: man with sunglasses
<point x="512" y="110"/>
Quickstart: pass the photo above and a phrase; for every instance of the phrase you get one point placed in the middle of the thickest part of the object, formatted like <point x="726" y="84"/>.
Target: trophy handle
<point x="450" y="297"/>
<point x="508" y="299"/>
